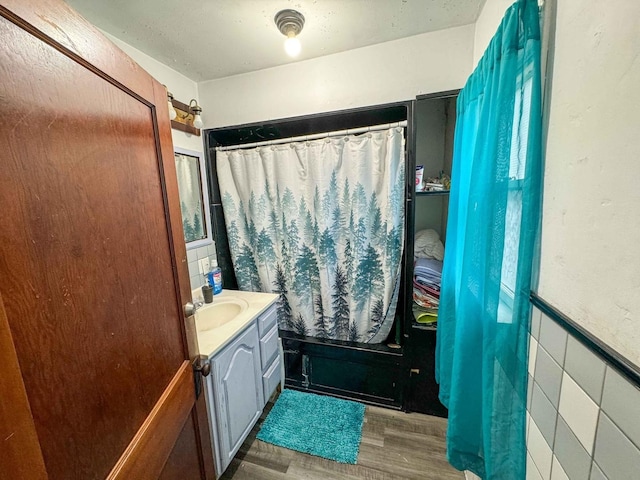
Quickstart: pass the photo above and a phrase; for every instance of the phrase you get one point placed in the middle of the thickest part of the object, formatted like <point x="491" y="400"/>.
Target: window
<point x="513" y="216"/>
<point x="194" y="198"/>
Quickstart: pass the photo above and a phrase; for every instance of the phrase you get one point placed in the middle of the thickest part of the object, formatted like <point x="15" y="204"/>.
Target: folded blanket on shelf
<point x="425" y="315"/>
<point x="426" y="290"/>
<point x="425" y="301"/>
<point x="428" y="282"/>
<point x="428" y="245"/>
<point x="428" y="267"/>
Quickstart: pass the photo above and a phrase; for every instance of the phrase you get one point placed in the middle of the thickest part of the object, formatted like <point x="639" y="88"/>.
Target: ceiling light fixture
<point x="290" y="23"/>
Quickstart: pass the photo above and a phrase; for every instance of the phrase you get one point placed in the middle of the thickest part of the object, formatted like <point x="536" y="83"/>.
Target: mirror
<point x="194" y="198"/>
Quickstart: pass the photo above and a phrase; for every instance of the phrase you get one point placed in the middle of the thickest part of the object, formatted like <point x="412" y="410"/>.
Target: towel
<point x="428" y="245"/>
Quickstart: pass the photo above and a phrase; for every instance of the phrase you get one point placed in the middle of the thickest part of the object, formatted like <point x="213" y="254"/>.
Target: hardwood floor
<point x="395" y="446"/>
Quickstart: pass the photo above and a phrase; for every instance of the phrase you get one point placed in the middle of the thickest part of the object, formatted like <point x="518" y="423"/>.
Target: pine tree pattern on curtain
<point x="321" y="224"/>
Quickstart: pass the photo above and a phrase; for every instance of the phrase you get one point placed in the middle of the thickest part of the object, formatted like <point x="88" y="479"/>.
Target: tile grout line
<point x="536" y="466"/>
<point x="584" y="390"/>
<point x="557" y="409"/>
<point x="604" y="379"/>
<point x="564" y="371"/>
<point x="614" y="422"/>
<point x="545" y="441"/>
<point x="558" y="415"/>
<point x="592" y="454"/>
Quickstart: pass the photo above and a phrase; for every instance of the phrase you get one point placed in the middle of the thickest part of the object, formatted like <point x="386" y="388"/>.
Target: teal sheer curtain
<point x="483" y="322"/>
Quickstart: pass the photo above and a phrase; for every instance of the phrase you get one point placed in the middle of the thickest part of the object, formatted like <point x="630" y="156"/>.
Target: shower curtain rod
<point x="315" y="136"/>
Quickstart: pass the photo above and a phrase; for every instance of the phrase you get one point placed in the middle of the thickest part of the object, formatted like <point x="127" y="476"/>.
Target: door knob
<point x="205" y="369"/>
<point x="201" y="365"/>
<point x="189" y="309"/>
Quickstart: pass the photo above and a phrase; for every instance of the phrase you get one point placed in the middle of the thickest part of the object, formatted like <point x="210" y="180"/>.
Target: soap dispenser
<point x="215" y="277"/>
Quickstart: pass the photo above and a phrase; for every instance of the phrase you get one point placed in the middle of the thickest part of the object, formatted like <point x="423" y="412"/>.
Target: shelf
<point x="424" y="326"/>
<point x="432" y="193"/>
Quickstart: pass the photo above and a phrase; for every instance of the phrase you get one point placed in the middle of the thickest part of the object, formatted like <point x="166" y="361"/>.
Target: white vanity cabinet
<point x="244" y="374"/>
<point x="269" y="351"/>
<point x="237" y="392"/>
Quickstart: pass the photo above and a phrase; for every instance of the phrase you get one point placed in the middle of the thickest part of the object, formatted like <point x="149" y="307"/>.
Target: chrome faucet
<point x="190" y="307"/>
<point x="197" y="303"/>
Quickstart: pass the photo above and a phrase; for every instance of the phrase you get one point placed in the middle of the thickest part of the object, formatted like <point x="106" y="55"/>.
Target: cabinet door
<point x="238" y="392"/>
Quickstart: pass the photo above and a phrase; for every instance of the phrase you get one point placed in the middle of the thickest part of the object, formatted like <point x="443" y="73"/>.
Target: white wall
<point x="487" y="24"/>
<point x="590" y="265"/>
<point x="590" y="259"/>
<point x="183" y="88"/>
<point x="383" y="73"/>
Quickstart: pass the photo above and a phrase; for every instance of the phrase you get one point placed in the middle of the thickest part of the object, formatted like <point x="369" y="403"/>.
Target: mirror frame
<point x="208" y="240"/>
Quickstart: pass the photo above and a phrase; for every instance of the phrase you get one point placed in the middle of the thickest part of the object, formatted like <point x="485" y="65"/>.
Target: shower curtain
<point x="494" y="212"/>
<point x="321" y="224"/>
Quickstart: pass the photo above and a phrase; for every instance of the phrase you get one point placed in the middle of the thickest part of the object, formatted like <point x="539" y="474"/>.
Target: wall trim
<point x="623" y="365"/>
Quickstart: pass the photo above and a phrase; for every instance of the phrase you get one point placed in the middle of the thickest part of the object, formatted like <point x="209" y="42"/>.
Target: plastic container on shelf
<point x="419" y="175"/>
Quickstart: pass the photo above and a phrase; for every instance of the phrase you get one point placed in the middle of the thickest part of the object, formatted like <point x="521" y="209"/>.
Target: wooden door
<point x="96" y="379"/>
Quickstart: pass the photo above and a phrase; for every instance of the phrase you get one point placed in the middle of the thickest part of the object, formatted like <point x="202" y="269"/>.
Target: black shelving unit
<point x="424" y="326"/>
<point x="422" y="389"/>
<point x="432" y="193"/>
<point x="399" y="374"/>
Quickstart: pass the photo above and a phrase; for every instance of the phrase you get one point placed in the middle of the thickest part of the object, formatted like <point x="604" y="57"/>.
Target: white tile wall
<point x="557" y="472"/>
<point x="536" y="318"/>
<point x="544" y="414"/>
<point x="585" y="368"/>
<point x="532" y="470"/>
<point x="554" y="338"/>
<point x="596" y="473"/>
<point x="548" y="375"/>
<point x="574" y="459"/>
<point x="579" y="411"/>
<point x="621" y="402"/>
<point x="597" y="435"/>
<point x="195" y="254"/>
<point x="616" y="455"/>
<point x="539" y="450"/>
<point x="533" y="351"/>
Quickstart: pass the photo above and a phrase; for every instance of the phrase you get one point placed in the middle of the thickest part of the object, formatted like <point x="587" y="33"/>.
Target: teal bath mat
<point x="323" y="426"/>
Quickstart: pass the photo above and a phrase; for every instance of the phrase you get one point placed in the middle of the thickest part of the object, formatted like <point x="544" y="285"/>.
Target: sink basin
<point x="219" y="313"/>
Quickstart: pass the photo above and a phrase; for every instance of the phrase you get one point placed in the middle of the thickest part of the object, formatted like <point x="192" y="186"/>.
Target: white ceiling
<point x="207" y="39"/>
